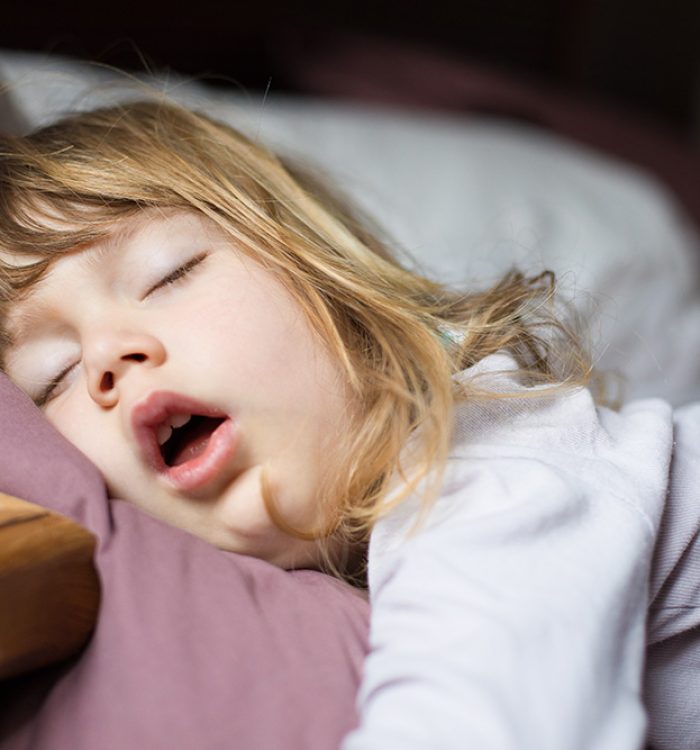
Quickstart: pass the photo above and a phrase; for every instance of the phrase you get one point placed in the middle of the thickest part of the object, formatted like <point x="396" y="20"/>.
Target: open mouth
<point x="187" y="441"/>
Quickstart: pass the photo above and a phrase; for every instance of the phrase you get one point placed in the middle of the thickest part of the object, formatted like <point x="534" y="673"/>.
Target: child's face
<point x="165" y="320"/>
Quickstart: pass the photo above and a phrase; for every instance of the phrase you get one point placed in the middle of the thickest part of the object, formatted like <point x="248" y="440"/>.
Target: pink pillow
<point x="194" y="647"/>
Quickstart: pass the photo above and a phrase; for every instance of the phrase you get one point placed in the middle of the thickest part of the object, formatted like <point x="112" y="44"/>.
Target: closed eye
<point x="179" y="273"/>
<point x="51" y="389"/>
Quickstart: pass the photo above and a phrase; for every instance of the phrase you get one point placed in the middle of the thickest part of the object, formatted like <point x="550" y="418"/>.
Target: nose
<point x="110" y="356"/>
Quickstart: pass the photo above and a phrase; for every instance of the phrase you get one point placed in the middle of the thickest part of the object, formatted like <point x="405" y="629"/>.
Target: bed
<point x="170" y="643"/>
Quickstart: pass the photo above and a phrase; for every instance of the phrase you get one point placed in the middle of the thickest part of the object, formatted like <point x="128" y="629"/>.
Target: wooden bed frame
<point x="49" y="588"/>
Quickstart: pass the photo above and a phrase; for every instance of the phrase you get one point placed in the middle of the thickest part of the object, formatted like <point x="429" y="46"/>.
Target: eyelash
<point x="179" y="273"/>
<point x="172" y="278"/>
<point x="45" y="395"/>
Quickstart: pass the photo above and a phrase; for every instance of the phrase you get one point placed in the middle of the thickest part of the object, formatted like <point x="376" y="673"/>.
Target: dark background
<point x="641" y="56"/>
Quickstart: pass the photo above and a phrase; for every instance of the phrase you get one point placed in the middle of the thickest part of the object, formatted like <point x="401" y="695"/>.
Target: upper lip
<point x="152" y="411"/>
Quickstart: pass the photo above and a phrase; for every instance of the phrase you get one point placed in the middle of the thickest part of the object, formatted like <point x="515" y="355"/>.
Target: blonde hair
<point x="398" y="337"/>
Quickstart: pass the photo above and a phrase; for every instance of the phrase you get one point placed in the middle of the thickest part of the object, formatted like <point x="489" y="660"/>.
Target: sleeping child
<point x="229" y="342"/>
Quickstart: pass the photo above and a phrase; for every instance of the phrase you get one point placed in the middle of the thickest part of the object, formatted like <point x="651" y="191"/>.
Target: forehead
<point x="148" y="228"/>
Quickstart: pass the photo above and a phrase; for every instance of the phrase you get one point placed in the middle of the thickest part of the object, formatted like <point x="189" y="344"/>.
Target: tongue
<point x="194" y="443"/>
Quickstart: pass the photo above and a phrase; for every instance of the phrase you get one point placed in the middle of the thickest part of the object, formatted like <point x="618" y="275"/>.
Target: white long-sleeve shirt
<point x="516" y="617"/>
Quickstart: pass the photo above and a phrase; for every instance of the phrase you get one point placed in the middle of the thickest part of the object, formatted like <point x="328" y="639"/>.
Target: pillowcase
<point x="194" y="647"/>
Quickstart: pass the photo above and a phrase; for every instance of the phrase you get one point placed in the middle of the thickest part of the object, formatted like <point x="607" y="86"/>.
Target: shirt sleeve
<point x="515" y="618"/>
<point x="672" y="670"/>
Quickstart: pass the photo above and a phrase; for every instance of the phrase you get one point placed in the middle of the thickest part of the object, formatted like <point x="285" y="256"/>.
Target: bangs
<point x="38" y="230"/>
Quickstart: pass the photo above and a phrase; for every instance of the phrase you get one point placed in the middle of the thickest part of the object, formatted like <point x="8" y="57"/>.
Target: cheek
<point x="263" y="347"/>
<point x="78" y="426"/>
<point x="97" y="442"/>
<point x="68" y="418"/>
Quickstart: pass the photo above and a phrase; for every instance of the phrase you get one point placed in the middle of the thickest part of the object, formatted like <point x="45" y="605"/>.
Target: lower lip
<point x="209" y="465"/>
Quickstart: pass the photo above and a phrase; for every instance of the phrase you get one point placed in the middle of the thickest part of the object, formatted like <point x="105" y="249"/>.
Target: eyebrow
<point x="115" y="240"/>
<point x="15" y="332"/>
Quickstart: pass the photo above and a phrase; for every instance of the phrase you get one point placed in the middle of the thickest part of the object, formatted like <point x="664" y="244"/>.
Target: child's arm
<point x="516" y="620"/>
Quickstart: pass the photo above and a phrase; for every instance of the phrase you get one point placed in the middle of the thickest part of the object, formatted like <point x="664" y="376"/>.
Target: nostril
<point x="135" y="357"/>
<point x="107" y="382"/>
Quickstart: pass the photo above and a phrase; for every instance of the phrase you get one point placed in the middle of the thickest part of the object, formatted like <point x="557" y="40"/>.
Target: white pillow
<point x="468" y="198"/>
